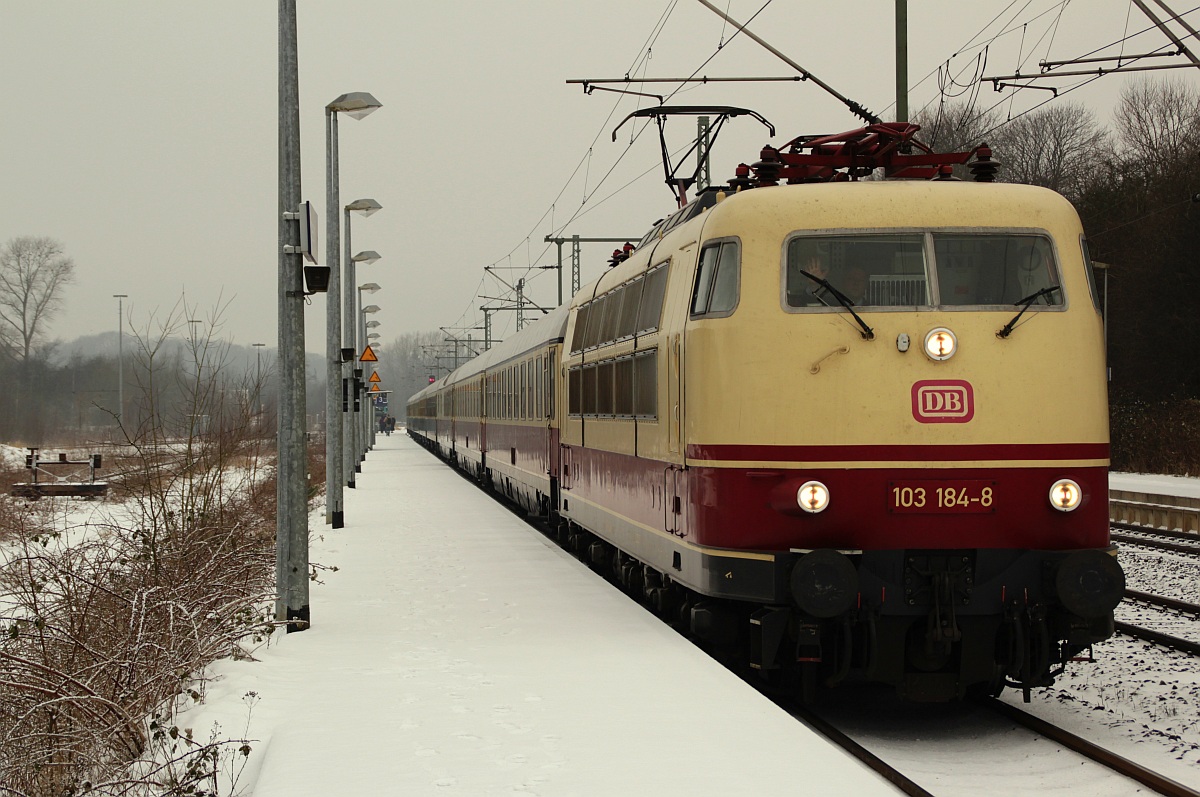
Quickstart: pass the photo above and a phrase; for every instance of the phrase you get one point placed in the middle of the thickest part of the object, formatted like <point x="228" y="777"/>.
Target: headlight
<point x="1065" y="495"/>
<point x="813" y="497"/>
<point x="940" y="344"/>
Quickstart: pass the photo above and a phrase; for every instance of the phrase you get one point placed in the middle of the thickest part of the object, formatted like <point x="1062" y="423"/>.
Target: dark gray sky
<point x="142" y="133"/>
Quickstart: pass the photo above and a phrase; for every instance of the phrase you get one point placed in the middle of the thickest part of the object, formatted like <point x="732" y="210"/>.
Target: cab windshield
<point x="954" y="270"/>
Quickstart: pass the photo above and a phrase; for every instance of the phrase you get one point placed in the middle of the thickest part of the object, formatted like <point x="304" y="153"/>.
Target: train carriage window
<point x="650" y="311"/>
<point x="975" y="270"/>
<point x="645" y="384"/>
<point x="537" y="387"/>
<point x="716" y="289"/>
<point x="550" y="384"/>
<point x="528" y="391"/>
<point x="631" y="298"/>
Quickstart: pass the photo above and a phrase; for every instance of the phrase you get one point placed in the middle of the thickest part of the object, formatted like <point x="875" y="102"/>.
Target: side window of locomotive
<point x="655" y="288"/>
<point x="631" y="298"/>
<point x="716" y="290"/>
<point x="591" y="337"/>
<point x="868" y="270"/>
<point x="1091" y="267"/>
<point x="581" y="321"/>
<point x="588" y="401"/>
<point x="645" y="384"/>
<point x="1005" y="270"/>
<point x="575" y="391"/>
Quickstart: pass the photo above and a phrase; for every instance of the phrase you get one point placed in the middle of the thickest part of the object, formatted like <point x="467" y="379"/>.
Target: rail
<point x="1130" y="769"/>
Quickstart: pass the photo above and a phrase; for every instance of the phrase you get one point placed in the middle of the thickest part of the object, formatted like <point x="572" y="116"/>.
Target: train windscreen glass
<point x="983" y="270"/>
<point x="869" y="270"/>
<point x="955" y="270"/>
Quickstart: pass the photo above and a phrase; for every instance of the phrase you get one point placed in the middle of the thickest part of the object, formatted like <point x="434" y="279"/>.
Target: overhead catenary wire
<point x="584" y="161"/>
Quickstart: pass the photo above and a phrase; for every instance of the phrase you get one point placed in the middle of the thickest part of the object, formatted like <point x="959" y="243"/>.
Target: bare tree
<point x="1156" y="123"/>
<point x="33" y="272"/>
<point x="1057" y="146"/>
<point x="953" y="127"/>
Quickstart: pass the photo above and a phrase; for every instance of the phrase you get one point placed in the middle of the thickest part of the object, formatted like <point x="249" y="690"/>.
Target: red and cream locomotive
<point x="858" y="428"/>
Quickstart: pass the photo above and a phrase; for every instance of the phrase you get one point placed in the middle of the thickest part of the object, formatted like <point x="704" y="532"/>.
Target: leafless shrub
<point x="103" y="627"/>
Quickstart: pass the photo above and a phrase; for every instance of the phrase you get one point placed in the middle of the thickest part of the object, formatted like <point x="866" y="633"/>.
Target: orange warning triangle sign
<point x="374" y="388"/>
<point x="374" y="377"/>
<point x="368" y="356"/>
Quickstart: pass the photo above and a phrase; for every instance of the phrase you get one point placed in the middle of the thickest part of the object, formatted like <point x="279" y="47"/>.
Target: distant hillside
<point x="104" y="345"/>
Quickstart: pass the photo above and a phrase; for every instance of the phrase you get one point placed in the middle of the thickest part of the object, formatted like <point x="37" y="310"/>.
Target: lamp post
<point x="120" y="297"/>
<point x="258" y="347"/>
<point x="367" y="423"/>
<point x="370" y="308"/>
<point x="356" y="104"/>
<point x="350" y="330"/>
<point x="291" y="492"/>
<point x="371" y="337"/>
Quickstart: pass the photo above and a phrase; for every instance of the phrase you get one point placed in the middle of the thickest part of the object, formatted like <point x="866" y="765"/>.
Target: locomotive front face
<point x="911" y="374"/>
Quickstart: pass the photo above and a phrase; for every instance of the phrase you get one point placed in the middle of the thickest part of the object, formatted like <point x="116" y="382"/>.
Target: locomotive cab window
<point x="952" y="270"/>
<point x="866" y="270"/>
<point x="982" y="270"/>
<point x="715" y="293"/>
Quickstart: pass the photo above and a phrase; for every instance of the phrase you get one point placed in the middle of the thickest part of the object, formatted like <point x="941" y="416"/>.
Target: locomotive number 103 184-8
<point x="961" y="496"/>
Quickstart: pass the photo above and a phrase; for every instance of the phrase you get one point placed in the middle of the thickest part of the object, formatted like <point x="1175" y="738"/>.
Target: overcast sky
<point x="142" y="134"/>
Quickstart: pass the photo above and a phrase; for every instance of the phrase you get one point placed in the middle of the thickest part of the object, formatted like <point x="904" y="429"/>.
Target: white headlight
<point x="1065" y="495"/>
<point x="940" y="344"/>
<point x="813" y="497"/>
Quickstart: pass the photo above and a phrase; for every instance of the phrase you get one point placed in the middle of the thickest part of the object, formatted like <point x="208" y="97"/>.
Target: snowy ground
<point x="455" y="651"/>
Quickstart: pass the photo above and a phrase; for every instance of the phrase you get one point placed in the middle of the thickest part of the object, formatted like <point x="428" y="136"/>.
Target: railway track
<point x="1176" y="541"/>
<point x="1130" y="769"/>
<point x="1119" y="765"/>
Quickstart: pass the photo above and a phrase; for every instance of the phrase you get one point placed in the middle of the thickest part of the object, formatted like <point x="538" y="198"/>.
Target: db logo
<point x="948" y="401"/>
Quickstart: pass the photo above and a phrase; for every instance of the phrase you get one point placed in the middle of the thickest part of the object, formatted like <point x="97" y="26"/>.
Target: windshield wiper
<point x="843" y="300"/>
<point x="1024" y="304"/>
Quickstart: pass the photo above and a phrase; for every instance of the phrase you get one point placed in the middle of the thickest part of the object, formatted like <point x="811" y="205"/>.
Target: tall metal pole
<point x="258" y="347"/>
<point x="291" y="517"/>
<point x="574" y="265"/>
<point x="335" y="395"/>
<point x="901" y="60"/>
<point x="120" y="297"/>
<point x="350" y="463"/>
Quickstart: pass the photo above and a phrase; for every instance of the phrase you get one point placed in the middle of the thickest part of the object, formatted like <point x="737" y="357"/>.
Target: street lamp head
<point x="120" y="295"/>
<point x="369" y="287"/>
<point x="374" y="336"/>
<point x="356" y="104"/>
<point x="371" y="308"/>
<point x="372" y="324"/>
<point x="369" y="256"/>
<point x="364" y="206"/>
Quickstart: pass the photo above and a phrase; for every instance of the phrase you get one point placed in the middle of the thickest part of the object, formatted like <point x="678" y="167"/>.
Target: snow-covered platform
<point x="456" y="651"/>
